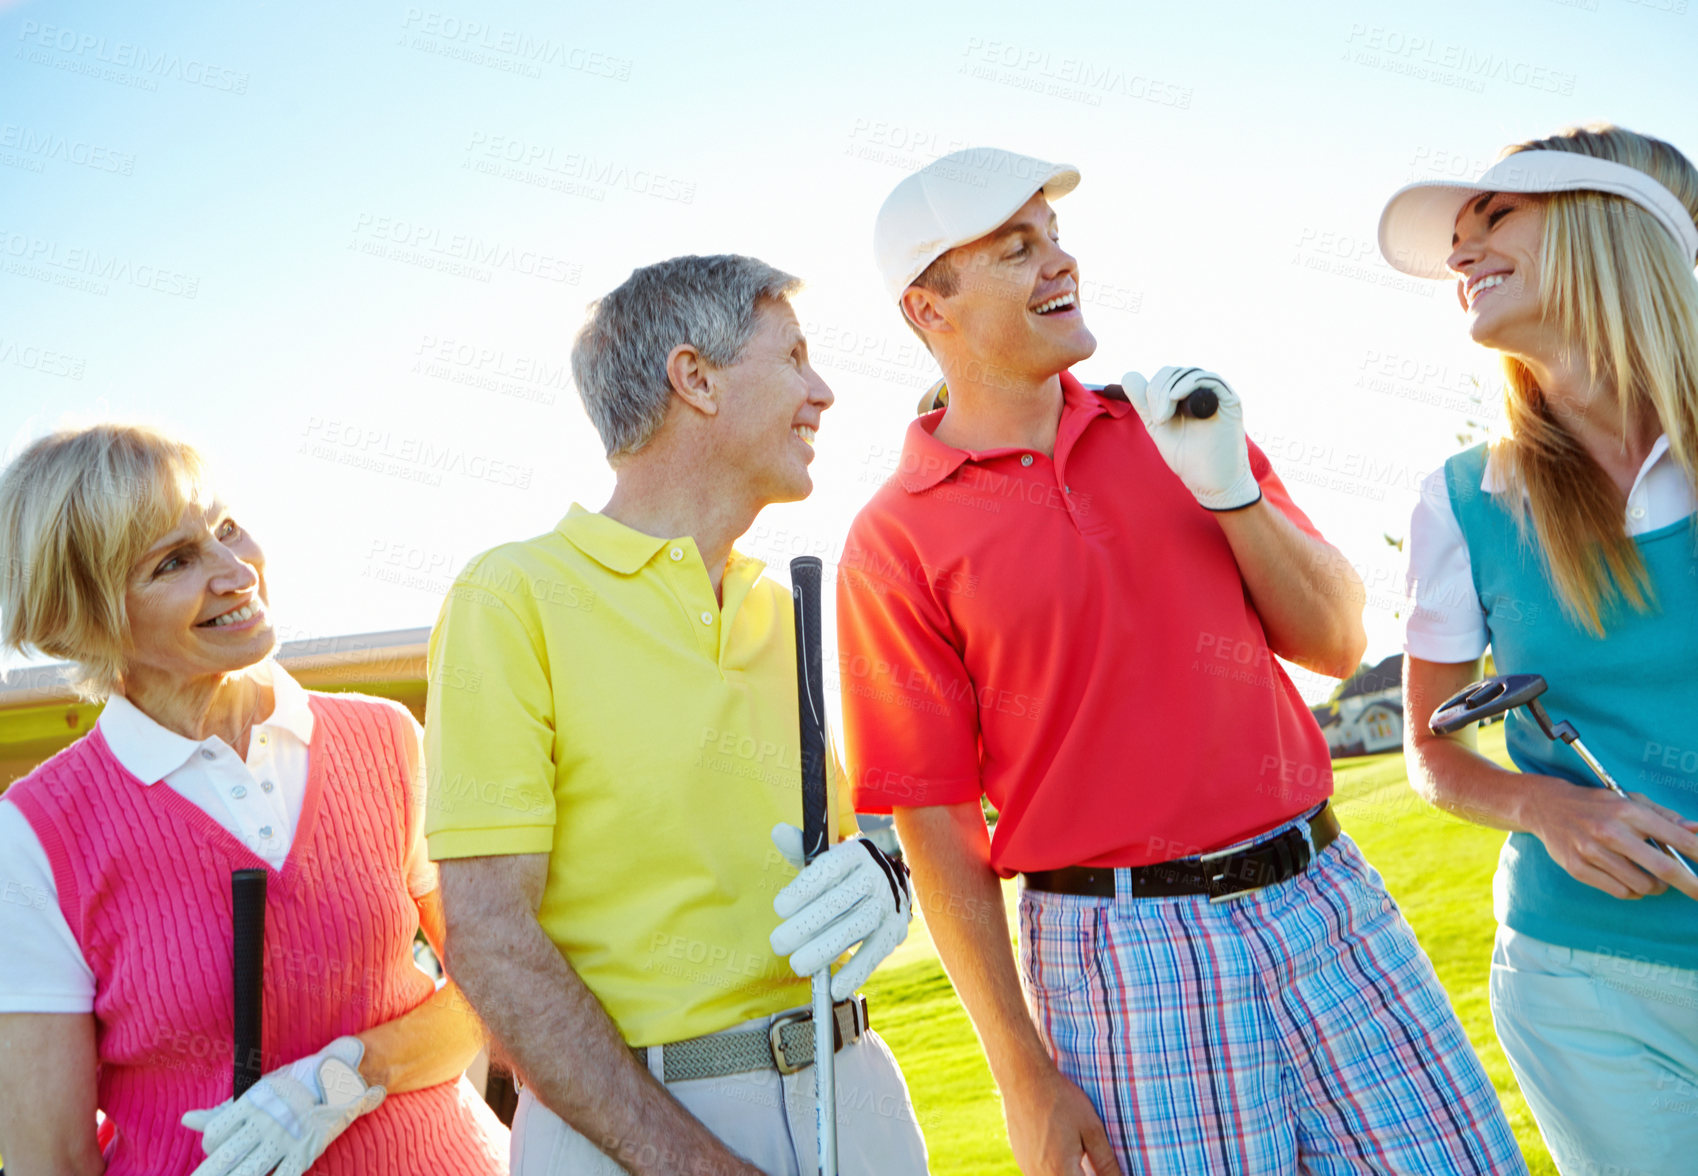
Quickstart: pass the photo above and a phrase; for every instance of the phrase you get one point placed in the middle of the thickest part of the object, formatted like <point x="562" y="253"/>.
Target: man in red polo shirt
<point x="1072" y="609"/>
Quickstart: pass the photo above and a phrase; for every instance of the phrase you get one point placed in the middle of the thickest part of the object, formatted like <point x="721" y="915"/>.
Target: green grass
<point x="1438" y="869"/>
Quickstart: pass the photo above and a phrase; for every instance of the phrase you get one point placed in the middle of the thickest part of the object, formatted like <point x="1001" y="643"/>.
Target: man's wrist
<point x="1021" y="1068"/>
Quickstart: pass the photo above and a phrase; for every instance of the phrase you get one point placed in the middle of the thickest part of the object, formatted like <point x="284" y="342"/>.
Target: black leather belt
<point x="1220" y="876"/>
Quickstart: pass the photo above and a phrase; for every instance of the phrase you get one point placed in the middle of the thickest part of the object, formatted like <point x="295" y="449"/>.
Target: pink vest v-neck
<point x="144" y="882"/>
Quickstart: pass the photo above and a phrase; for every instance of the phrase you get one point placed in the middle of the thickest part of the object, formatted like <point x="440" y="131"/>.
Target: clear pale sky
<point x="344" y="248"/>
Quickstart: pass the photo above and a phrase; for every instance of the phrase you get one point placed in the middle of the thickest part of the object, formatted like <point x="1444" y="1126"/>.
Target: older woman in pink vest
<point x="116" y="985"/>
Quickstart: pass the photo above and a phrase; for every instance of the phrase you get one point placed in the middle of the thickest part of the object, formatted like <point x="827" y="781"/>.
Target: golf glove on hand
<point x="1210" y="456"/>
<point x="288" y="1118"/>
<point x="852" y="893"/>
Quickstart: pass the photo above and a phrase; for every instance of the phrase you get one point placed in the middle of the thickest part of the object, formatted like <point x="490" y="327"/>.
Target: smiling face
<point x="1495" y="256"/>
<point x="769" y="407"/>
<point x="196" y="601"/>
<point x="1015" y="307"/>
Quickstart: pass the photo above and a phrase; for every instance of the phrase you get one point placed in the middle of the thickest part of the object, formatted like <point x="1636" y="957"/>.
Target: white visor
<point x="1419" y="222"/>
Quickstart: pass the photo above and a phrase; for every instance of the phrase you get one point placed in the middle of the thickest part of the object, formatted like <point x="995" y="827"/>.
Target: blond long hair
<point x="1617" y="286"/>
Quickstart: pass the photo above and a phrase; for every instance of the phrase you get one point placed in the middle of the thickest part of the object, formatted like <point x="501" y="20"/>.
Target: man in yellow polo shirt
<point x="612" y="734"/>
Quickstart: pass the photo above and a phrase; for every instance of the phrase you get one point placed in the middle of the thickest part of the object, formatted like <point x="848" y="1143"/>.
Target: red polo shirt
<point x="1071" y="638"/>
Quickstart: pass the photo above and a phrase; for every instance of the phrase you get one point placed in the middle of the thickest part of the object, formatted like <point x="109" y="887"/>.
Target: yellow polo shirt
<point x="591" y="700"/>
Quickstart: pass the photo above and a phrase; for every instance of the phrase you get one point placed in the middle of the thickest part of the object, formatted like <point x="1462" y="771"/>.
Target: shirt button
<point x="1025" y="459"/>
<point x="206" y="753"/>
<point x="1069" y="489"/>
<point x="707" y="618"/>
<point x="1637" y="512"/>
<point x="266" y="786"/>
<point x="238" y="792"/>
<point x="265" y="830"/>
<point x="263" y="737"/>
<point x="677" y="553"/>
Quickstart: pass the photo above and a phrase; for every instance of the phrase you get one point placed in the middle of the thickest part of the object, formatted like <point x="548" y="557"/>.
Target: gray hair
<point x="619" y="357"/>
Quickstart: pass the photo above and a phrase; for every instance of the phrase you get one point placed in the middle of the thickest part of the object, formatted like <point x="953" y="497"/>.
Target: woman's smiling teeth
<point x="1489" y="282"/>
<point x="235" y="617"/>
<point x="1062" y="302"/>
<point x="804" y="432"/>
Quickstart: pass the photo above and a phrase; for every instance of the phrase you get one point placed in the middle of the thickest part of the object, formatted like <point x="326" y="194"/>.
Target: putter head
<point x="1483" y="699"/>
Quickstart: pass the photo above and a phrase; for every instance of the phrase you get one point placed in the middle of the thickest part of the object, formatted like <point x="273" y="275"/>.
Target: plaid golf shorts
<point x="1296" y="1029"/>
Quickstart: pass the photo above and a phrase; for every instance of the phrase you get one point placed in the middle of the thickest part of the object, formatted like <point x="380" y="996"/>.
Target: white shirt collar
<point x="151" y="752"/>
<point x="1491" y="482"/>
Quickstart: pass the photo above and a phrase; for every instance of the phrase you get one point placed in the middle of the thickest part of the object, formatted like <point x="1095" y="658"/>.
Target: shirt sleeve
<point x="1275" y="492"/>
<point x="489" y="727"/>
<point x="45" y="971"/>
<point x="910" y="723"/>
<point x="421" y="871"/>
<point x="1444" y="620"/>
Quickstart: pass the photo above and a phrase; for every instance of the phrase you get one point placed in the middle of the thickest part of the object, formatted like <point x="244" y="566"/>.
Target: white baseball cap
<point x="955" y="199"/>
<point x="1419" y="221"/>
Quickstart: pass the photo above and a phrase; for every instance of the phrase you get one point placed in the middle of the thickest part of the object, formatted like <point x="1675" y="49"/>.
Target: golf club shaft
<point x="825" y="1072"/>
<point x="1603" y="774"/>
<point x="805" y="576"/>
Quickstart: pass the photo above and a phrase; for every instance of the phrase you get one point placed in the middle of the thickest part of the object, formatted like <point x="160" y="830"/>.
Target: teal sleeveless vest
<point x="1633" y="696"/>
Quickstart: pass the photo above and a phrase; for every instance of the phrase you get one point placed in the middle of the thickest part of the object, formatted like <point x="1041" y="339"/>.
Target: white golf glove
<point x="849" y="894"/>
<point x="1210" y="456"/>
<point x="288" y="1118"/>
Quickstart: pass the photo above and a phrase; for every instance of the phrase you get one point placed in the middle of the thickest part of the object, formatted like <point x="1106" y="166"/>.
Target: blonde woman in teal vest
<point x="1569" y="549"/>
<point x="116" y="858"/>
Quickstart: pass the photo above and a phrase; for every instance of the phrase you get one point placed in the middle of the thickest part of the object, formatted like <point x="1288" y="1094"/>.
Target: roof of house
<point x="1388" y="675"/>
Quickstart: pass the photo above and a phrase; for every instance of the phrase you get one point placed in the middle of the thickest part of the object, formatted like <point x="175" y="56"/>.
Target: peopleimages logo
<point x="476" y="253"/>
<point x="130" y="56"/>
<point x="1066" y="77"/>
<point x="474" y="41"/>
<point x="46" y="146"/>
<point x="88" y="268"/>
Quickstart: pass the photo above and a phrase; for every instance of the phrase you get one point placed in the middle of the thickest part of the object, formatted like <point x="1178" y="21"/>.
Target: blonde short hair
<point x="78" y="508"/>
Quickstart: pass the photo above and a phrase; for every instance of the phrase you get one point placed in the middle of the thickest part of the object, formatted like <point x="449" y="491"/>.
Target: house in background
<point x="1367" y="716"/>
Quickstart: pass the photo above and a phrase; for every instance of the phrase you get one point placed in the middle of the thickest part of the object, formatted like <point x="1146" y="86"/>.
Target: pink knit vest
<point x="144" y="881"/>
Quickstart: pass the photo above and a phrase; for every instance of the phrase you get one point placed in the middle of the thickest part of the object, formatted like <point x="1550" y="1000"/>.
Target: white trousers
<point x="763" y="1116"/>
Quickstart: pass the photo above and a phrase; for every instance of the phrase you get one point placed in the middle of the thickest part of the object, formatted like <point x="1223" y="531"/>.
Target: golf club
<point x="247" y="917"/>
<point x="1199" y="406"/>
<point x="1499" y="695"/>
<point x="805" y="573"/>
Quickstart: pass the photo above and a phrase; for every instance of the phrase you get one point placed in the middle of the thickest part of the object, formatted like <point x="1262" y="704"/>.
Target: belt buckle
<point x="1234" y="896"/>
<point x="775" y="1038"/>
<point x="1288" y="858"/>
<point x="1217" y="855"/>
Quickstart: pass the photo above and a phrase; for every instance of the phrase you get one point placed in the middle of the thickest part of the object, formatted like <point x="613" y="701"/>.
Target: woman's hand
<point x="1600" y="838"/>
<point x="288" y="1118"/>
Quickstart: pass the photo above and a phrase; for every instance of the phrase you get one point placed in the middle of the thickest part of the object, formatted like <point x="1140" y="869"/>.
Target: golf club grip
<point x="1200" y="405"/>
<point x="805" y="576"/>
<point x="247" y="906"/>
